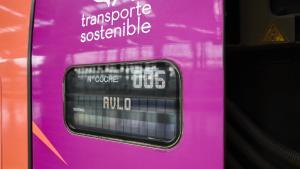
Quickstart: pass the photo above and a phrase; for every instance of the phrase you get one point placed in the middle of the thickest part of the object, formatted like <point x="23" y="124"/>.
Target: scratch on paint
<point x="37" y="131"/>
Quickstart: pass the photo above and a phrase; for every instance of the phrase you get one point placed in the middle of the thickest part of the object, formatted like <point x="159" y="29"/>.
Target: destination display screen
<point x="136" y="102"/>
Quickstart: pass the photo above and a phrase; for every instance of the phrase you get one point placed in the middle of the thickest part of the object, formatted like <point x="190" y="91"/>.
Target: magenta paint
<point x="188" y="33"/>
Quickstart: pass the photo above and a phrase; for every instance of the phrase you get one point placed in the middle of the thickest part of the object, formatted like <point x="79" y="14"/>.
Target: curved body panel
<point x="14" y="32"/>
<point x="70" y="33"/>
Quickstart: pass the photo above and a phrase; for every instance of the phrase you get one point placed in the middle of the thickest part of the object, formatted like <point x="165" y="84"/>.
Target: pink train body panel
<point x="187" y="33"/>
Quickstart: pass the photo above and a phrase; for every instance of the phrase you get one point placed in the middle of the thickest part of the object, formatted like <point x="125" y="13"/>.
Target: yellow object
<point x="273" y="34"/>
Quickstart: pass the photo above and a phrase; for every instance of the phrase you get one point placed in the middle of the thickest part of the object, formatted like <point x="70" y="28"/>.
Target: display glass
<point x="136" y="102"/>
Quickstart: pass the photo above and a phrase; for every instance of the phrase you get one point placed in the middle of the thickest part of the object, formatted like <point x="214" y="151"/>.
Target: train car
<point x="121" y="84"/>
<point x="262" y="84"/>
<point x="14" y="33"/>
<point x="125" y="84"/>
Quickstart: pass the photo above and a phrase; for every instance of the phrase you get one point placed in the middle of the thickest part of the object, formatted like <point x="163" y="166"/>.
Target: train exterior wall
<point x="14" y="33"/>
<point x="188" y="33"/>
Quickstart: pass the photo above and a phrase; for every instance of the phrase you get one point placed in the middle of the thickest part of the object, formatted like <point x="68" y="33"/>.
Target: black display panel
<point x="136" y="102"/>
<point x="285" y="7"/>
